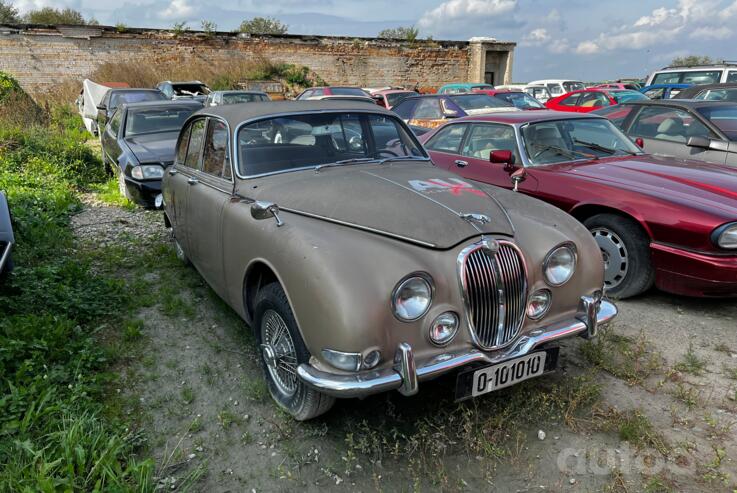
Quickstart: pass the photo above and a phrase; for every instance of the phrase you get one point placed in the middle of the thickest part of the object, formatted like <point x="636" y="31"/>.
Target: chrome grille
<point x="495" y="290"/>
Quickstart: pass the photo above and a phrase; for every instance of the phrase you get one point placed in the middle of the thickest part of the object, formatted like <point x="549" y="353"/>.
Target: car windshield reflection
<point x="551" y="142"/>
<point x="297" y="142"/>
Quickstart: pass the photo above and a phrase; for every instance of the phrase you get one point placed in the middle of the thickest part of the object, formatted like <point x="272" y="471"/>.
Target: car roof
<point x="132" y="89"/>
<point x="238" y="91"/>
<point x="164" y="103"/>
<point x="237" y="113"/>
<point x="685" y="103"/>
<point x="674" y="85"/>
<point x="519" y="117"/>
<point x="393" y="91"/>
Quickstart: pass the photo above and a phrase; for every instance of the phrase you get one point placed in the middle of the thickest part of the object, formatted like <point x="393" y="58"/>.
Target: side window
<point x="668" y="124"/>
<point x="115" y="122"/>
<point x="404" y="109"/>
<point x="617" y="114"/>
<point x="656" y="93"/>
<point x="448" y="139"/>
<point x="182" y="147"/>
<point x="485" y="138"/>
<point x="593" y="99"/>
<point x="570" y="100"/>
<point x="428" y="109"/>
<point x="197" y="133"/>
<point x="216" y="143"/>
<point x="318" y="92"/>
<point x="732" y="76"/>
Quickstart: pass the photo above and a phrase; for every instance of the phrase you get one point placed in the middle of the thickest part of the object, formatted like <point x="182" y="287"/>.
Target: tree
<point x="683" y="61"/>
<point x="263" y="25"/>
<point x="406" y="33"/>
<point x="50" y="15"/>
<point x="8" y="13"/>
<point x="209" y="27"/>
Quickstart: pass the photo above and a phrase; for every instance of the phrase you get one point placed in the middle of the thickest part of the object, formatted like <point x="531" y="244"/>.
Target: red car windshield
<point x="552" y="142"/>
<point x="724" y="117"/>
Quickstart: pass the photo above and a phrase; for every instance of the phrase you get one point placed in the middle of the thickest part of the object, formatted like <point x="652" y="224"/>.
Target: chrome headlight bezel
<point x="549" y="303"/>
<point x="563" y="247"/>
<point x="718" y="236"/>
<point x="452" y="334"/>
<point x="421" y="277"/>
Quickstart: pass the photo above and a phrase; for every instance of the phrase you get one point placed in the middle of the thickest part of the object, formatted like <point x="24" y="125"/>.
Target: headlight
<point x="341" y="360"/>
<point x="560" y="264"/>
<point x="726" y="236"/>
<point x="147" y="172"/>
<point x="538" y="304"/>
<point x="444" y="328"/>
<point x="412" y="298"/>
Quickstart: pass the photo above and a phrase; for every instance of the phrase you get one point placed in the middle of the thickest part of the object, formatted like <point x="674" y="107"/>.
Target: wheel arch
<point x="584" y="211"/>
<point x="259" y="273"/>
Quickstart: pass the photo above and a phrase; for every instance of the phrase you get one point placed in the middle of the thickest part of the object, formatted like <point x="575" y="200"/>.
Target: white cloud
<point x="464" y="10"/>
<point x="722" y="32"/>
<point x="559" y="46"/>
<point x="587" y="48"/>
<point x="177" y="9"/>
<point x="536" y="37"/>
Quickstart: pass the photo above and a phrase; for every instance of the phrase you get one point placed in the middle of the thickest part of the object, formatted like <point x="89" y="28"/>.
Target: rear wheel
<point x="625" y="249"/>
<point x="282" y="351"/>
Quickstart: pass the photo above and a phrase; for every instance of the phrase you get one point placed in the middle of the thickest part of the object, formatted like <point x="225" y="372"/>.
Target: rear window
<point x="571" y="86"/>
<point x="616" y="114"/>
<point x="688" y="77"/>
<point x="478" y="102"/>
<point x="155" y="120"/>
<point x="118" y="98"/>
<point x="347" y="91"/>
<point x="718" y="95"/>
<point x="243" y="97"/>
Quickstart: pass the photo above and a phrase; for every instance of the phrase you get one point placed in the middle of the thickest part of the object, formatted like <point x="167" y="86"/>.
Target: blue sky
<point x="582" y="39"/>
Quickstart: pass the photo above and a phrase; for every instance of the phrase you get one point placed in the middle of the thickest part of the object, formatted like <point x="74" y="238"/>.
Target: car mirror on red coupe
<point x="504" y="157"/>
<point x="639" y="142"/>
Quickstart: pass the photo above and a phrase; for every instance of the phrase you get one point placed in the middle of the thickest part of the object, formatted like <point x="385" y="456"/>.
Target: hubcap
<point x="614" y="253"/>
<point x="278" y="351"/>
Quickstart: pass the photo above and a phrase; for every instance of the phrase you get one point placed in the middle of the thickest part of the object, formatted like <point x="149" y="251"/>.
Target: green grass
<point x="109" y="193"/>
<point x="55" y="433"/>
<point x="691" y="363"/>
<point x="632" y="360"/>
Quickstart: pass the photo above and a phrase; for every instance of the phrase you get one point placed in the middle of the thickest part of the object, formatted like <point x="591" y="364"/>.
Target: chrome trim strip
<point x="5" y="255"/>
<point x="404" y="365"/>
<point x="372" y="382"/>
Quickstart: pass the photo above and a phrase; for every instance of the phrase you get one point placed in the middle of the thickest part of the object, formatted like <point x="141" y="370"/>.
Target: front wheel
<point x="625" y="249"/>
<point x="282" y="350"/>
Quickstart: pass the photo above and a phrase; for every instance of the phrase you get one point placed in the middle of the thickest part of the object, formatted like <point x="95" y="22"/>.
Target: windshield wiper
<point x="601" y="148"/>
<point x="345" y="161"/>
<point x="403" y="158"/>
<point x="570" y="154"/>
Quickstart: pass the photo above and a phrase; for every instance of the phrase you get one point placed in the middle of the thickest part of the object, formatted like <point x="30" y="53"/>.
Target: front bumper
<point x="689" y="273"/>
<point x="143" y="192"/>
<point x="405" y="374"/>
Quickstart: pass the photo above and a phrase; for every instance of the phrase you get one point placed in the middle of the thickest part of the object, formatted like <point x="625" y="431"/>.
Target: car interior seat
<point x="672" y="129"/>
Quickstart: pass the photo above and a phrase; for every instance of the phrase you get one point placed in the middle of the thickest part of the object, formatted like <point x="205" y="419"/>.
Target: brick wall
<point x="40" y="57"/>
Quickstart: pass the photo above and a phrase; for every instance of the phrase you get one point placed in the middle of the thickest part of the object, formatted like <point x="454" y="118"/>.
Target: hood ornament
<point x="475" y="217"/>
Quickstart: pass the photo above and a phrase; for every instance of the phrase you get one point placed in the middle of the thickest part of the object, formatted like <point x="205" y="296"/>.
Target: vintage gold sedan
<point x="362" y="267"/>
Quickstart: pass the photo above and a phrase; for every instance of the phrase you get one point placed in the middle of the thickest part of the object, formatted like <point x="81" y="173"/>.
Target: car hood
<point x="692" y="183"/>
<point x="410" y="201"/>
<point x="154" y="148"/>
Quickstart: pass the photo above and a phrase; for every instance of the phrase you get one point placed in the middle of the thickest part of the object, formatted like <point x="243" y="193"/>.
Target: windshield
<point x="118" y="98"/>
<point x="724" y="117"/>
<point x="729" y="94"/>
<point x="482" y="87"/>
<point x="306" y="141"/>
<point x="560" y="141"/>
<point x="347" y="91"/>
<point x="573" y="85"/>
<point x="242" y="97"/>
<point x="155" y="120"/>
<point x="190" y="89"/>
<point x="395" y="98"/>
<point x="624" y="96"/>
<point x="520" y="100"/>
<point x="471" y="102"/>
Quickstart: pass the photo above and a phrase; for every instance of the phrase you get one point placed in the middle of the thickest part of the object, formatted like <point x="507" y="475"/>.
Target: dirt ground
<point x="650" y="406"/>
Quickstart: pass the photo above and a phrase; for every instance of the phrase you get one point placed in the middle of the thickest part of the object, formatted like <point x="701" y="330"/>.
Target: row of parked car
<point x="373" y="246"/>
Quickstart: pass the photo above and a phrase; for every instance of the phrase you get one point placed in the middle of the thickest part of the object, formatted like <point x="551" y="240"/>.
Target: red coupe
<point x="592" y="99"/>
<point x="657" y="220"/>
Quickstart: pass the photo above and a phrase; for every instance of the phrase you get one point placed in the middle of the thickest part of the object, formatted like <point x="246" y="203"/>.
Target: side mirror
<point x="518" y="177"/>
<point x="501" y="157"/>
<point x="639" y="142"/>
<point x="700" y="142"/>
<point x="264" y="210"/>
<point x="102" y="107"/>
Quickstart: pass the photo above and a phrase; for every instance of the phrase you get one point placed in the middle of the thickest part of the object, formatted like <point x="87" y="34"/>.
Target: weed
<point x="687" y="395"/>
<point x="132" y="330"/>
<point x="109" y="193"/>
<point x="658" y="485"/>
<point x="723" y="348"/>
<point x="196" y="425"/>
<point x="691" y="363"/>
<point x="227" y="418"/>
<point x="633" y="427"/>
<point x="256" y="390"/>
<point x="632" y="360"/>
<point x="731" y="372"/>
<point x="187" y="395"/>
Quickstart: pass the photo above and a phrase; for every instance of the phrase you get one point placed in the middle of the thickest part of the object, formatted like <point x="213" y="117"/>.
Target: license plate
<point x="508" y="373"/>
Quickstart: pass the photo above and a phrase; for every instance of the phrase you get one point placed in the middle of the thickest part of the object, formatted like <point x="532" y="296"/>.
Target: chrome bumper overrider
<point x="405" y="374"/>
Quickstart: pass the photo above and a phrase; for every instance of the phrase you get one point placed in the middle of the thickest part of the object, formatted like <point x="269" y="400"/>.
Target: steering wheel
<point x="387" y="151"/>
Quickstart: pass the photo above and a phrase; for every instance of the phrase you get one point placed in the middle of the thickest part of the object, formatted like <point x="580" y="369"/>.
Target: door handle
<point x="172" y="171"/>
<point x="193" y="181"/>
<point x="460" y="163"/>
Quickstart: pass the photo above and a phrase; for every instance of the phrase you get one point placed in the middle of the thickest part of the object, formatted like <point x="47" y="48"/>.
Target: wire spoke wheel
<point x="615" y="255"/>
<point x="279" y="353"/>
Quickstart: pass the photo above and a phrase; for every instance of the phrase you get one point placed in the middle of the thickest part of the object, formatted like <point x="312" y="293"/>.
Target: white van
<point x="718" y="73"/>
<point x="558" y="87"/>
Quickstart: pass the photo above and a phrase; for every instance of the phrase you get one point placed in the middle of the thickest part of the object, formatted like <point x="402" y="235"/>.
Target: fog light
<point x="444" y="328"/>
<point x="538" y="304"/>
<point x="371" y="360"/>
